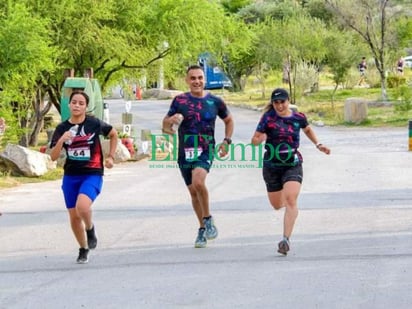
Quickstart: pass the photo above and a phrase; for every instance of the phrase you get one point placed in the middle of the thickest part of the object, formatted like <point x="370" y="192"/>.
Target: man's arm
<point x="169" y="121"/>
<point x="229" y="125"/>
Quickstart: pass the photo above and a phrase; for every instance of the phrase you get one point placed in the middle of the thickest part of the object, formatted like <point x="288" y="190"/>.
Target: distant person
<point x="400" y="65"/>
<point x="82" y="182"/>
<point x="362" y="66"/>
<point x="279" y="127"/>
<point x="197" y="111"/>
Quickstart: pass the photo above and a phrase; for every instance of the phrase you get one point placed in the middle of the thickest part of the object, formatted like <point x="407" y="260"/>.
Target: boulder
<point x="356" y="110"/>
<point x="122" y="153"/>
<point x="161" y="94"/>
<point x="27" y="162"/>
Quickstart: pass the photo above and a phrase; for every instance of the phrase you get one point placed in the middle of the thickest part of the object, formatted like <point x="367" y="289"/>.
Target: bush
<point x="404" y="98"/>
<point x="305" y="78"/>
<point x="394" y="81"/>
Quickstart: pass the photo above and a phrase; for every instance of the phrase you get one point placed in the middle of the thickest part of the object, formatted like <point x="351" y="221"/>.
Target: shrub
<point x="394" y="81"/>
<point x="404" y="98"/>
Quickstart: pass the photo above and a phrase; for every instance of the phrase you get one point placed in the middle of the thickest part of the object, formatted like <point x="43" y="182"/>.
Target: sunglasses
<point x="279" y="101"/>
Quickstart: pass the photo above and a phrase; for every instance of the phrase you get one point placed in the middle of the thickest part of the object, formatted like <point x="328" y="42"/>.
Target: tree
<point x="341" y="55"/>
<point x="25" y="57"/>
<point x="289" y="42"/>
<point x="123" y="38"/>
<point x="373" y="21"/>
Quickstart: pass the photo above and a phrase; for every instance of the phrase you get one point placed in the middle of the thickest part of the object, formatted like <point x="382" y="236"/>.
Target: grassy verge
<point x="328" y="108"/>
<point x="9" y="181"/>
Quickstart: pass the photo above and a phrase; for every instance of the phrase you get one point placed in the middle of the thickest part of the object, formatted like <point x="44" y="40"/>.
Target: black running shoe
<point x="83" y="253"/>
<point x="91" y="238"/>
<point x="283" y="247"/>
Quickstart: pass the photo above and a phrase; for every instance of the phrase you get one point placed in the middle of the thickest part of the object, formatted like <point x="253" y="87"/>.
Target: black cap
<point x="279" y="94"/>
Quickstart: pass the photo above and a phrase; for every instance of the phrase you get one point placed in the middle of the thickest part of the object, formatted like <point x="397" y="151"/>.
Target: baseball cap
<point x="279" y="94"/>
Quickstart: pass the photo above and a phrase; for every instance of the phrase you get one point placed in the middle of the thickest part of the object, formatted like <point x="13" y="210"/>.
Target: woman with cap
<point x="279" y="127"/>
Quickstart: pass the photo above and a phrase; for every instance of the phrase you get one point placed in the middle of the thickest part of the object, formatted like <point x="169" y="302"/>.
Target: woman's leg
<point x="78" y="228"/>
<point x="287" y="197"/>
<point x="290" y="192"/>
<point x="84" y="210"/>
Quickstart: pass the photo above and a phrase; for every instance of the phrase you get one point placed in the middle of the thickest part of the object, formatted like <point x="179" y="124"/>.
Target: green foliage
<point x="404" y="31"/>
<point x="12" y="131"/>
<point x="233" y="6"/>
<point x="317" y="9"/>
<point x="25" y="52"/>
<point x="259" y="11"/>
<point x="342" y="54"/>
<point x="404" y="98"/>
<point x="305" y="76"/>
<point x="394" y="81"/>
<point x="119" y="39"/>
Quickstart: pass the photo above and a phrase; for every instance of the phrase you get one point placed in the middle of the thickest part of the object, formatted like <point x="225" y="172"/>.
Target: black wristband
<point x="228" y="140"/>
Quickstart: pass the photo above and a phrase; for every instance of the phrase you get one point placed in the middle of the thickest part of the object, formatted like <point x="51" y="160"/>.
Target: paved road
<point x="352" y="246"/>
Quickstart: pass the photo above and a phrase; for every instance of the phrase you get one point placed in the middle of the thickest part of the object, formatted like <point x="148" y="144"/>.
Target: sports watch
<point x="228" y="140"/>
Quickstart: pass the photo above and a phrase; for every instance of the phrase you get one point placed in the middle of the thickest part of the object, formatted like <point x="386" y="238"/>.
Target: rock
<point x="122" y="153"/>
<point x="318" y="123"/>
<point x="24" y="161"/>
<point x="355" y="110"/>
<point x="161" y="94"/>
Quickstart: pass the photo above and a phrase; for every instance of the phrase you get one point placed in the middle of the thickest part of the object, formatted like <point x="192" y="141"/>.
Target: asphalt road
<point x="351" y="248"/>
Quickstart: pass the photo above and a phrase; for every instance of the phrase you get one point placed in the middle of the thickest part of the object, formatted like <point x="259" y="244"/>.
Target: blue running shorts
<point x="72" y="186"/>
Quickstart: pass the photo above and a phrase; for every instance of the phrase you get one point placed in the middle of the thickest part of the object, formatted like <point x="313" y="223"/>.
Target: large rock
<point x="122" y="153"/>
<point x="161" y="94"/>
<point x="24" y="161"/>
<point x="356" y="110"/>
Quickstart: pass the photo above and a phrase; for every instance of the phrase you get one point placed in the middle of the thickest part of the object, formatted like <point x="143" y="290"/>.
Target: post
<point x="410" y="135"/>
<point x="355" y="110"/>
<point x="106" y="114"/>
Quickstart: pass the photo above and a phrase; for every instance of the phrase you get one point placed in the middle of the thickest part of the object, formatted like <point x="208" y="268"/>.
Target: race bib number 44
<point x="79" y="153"/>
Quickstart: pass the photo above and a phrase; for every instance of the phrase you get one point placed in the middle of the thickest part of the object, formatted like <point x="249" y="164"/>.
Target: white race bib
<point x="79" y="153"/>
<point x="192" y="154"/>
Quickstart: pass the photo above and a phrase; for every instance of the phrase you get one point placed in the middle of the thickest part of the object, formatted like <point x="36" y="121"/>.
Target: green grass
<point x="9" y="181"/>
<point x="318" y="105"/>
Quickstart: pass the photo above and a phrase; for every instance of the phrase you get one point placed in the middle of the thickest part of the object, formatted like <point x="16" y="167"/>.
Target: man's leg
<point x="196" y="204"/>
<point x="202" y="194"/>
<point x="201" y="240"/>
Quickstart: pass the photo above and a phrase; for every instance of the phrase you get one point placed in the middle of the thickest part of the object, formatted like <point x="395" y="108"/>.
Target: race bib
<point x="79" y="153"/>
<point x="192" y="154"/>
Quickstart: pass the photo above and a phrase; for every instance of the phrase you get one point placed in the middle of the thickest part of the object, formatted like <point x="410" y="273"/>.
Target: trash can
<point x="91" y="87"/>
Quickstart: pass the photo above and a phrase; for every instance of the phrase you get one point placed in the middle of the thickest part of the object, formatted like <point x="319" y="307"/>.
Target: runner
<point x="83" y="169"/>
<point x="282" y="171"/>
<point x="199" y="110"/>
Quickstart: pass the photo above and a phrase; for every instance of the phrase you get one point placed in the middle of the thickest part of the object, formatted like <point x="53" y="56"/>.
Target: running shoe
<point x="91" y="238"/>
<point x="201" y="240"/>
<point x="284" y="246"/>
<point x="83" y="253"/>
<point x="211" y="230"/>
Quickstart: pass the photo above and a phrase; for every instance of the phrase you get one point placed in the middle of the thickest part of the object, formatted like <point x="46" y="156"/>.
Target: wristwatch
<point x="228" y="140"/>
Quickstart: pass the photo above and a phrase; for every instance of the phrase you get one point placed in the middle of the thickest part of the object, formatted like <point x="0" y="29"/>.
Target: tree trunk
<point x="383" y="87"/>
